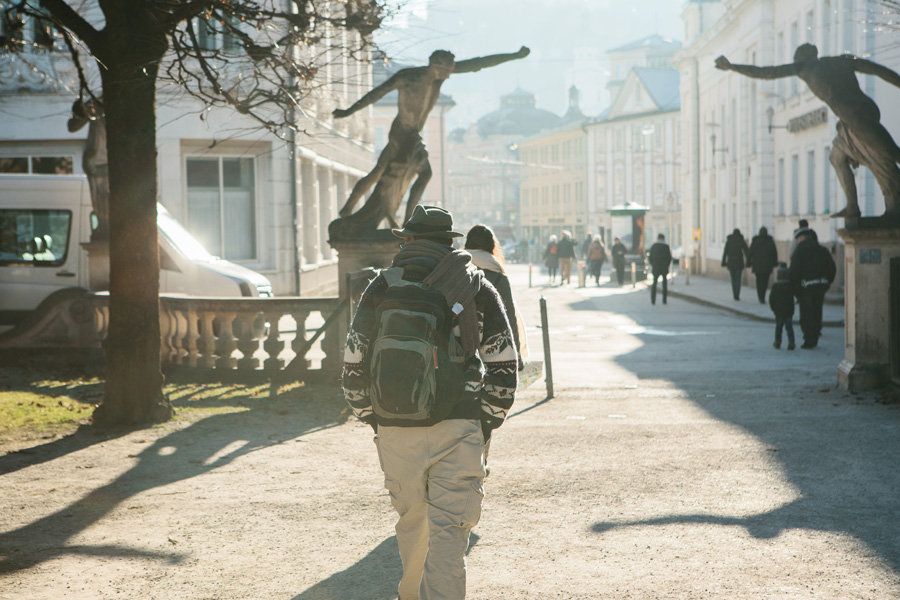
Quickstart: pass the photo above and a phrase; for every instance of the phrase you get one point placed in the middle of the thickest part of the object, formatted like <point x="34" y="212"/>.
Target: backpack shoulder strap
<point x="394" y="278"/>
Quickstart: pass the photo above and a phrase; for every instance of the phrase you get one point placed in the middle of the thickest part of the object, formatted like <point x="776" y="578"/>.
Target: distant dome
<point x="518" y="115"/>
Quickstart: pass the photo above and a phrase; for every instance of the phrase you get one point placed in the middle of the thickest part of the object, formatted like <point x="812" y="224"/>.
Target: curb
<point x="738" y="312"/>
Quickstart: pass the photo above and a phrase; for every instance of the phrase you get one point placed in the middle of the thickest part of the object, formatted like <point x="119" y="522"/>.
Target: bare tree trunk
<point x="134" y="378"/>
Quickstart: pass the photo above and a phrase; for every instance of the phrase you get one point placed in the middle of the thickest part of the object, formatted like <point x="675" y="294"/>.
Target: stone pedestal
<point x="867" y="318"/>
<point x="373" y="251"/>
<point x="370" y="252"/>
<point x="98" y="265"/>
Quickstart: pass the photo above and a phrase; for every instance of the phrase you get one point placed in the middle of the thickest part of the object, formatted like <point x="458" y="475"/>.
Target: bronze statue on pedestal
<point x="404" y="161"/>
<point x="861" y="138"/>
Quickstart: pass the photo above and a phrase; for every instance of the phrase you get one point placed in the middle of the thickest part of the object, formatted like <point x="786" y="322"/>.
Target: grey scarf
<point x="452" y="273"/>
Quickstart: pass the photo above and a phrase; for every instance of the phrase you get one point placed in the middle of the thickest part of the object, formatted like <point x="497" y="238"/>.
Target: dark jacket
<point x="763" y="254"/>
<point x="735" y="252"/>
<point x="618" y="255"/>
<point x="490" y="376"/>
<point x="781" y="299"/>
<point x="660" y="258"/>
<point x="501" y="282"/>
<point x="551" y="255"/>
<point x="566" y="248"/>
<point x="811" y="264"/>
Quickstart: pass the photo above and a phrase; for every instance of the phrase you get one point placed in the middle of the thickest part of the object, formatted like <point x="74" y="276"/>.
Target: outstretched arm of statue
<point x="870" y="68"/>
<point x="757" y="72"/>
<point x="371" y="97"/>
<point x="482" y="62"/>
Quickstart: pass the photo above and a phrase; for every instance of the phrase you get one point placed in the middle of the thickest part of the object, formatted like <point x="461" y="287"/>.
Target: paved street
<point x="682" y="457"/>
<point x="721" y="467"/>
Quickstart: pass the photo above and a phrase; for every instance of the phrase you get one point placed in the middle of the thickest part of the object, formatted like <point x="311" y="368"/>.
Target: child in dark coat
<point x="781" y="300"/>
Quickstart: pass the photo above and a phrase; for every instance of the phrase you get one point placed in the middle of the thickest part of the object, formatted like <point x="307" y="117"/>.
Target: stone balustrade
<point x="264" y="336"/>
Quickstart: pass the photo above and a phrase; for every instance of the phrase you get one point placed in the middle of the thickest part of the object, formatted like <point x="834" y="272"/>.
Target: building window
<point x="779" y="51"/>
<point x="811" y="182"/>
<point x="849" y="41"/>
<point x="795" y="41"/>
<point x="221" y="201"/>
<point x="795" y="184"/>
<point x="37" y="165"/>
<point x="780" y="183"/>
<point x="828" y="173"/>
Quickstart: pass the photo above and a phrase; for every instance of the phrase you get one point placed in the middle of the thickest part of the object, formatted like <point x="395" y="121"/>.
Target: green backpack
<point x="415" y="353"/>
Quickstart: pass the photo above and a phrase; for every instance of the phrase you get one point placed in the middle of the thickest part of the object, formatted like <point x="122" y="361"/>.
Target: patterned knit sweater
<point x="490" y="375"/>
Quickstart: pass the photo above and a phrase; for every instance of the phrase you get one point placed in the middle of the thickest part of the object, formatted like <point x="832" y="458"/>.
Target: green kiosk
<point x="628" y="226"/>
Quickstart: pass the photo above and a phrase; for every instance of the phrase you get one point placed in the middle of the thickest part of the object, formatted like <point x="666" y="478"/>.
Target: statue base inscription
<point x="867" y="307"/>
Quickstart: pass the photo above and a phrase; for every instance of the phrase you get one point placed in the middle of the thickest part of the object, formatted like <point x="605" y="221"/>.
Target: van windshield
<point x="179" y="237"/>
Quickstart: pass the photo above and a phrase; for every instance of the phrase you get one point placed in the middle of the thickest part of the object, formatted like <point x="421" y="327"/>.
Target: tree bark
<point x="134" y="379"/>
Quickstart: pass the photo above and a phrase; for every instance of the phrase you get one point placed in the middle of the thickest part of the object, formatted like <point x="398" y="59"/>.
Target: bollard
<point x="633" y="275"/>
<point x="546" y="330"/>
<point x="582" y="274"/>
<point x="529" y="274"/>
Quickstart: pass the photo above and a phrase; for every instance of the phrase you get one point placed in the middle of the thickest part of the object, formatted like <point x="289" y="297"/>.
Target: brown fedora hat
<point x="429" y="221"/>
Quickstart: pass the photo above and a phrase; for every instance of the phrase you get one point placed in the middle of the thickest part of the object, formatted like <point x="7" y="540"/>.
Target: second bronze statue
<point x="404" y="160"/>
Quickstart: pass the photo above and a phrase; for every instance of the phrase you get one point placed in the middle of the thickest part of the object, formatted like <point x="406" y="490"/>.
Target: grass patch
<point x="35" y="404"/>
<point x="39" y="403"/>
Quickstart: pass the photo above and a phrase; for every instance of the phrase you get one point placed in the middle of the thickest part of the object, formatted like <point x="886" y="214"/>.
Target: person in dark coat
<point x="660" y="259"/>
<point x="566" y="253"/>
<point x="596" y="256"/>
<point x="618" y="260"/>
<point x="551" y="258"/>
<point x="763" y="258"/>
<point x="733" y="257"/>
<point x="781" y="301"/>
<point x="812" y="271"/>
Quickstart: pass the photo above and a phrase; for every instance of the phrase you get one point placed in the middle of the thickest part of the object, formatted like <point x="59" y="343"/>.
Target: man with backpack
<point x="431" y="365"/>
<point x="812" y="271"/>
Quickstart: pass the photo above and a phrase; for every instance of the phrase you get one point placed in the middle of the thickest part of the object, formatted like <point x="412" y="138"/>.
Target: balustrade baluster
<point x="332" y="347"/>
<point x="206" y="343"/>
<point x="273" y="345"/>
<point x="248" y="339"/>
<point x="191" y="336"/>
<point x="179" y="334"/>
<point x="300" y="340"/>
<point x="226" y="343"/>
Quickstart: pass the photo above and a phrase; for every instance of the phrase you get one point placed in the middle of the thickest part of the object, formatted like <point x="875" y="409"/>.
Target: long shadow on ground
<point x="374" y="577"/>
<point x="839" y="453"/>
<point x="178" y="456"/>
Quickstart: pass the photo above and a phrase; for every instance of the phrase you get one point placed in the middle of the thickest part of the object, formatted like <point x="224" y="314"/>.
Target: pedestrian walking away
<point x="734" y="257"/>
<point x="618" y="259"/>
<point x="660" y="259"/>
<point x="585" y="249"/>
<point x="781" y="301"/>
<point x="763" y="258"/>
<point x="566" y="251"/>
<point x="430" y="364"/>
<point x="487" y="255"/>
<point x="596" y="258"/>
<point x="802" y="225"/>
<point x="551" y="257"/>
<point x="812" y="272"/>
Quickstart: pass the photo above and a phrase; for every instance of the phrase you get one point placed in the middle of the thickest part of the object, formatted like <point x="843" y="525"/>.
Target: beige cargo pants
<point x="434" y="476"/>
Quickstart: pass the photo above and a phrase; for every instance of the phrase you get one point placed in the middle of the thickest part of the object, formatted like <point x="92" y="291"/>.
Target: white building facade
<point x="756" y="151"/>
<point x="247" y="195"/>
<point x="634" y="154"/>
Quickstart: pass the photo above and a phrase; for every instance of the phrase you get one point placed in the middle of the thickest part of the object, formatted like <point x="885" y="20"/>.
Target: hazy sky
<point x="553" y="29"/>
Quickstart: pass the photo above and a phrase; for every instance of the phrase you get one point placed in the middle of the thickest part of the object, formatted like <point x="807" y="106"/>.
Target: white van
<point x="45" y="219"/>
